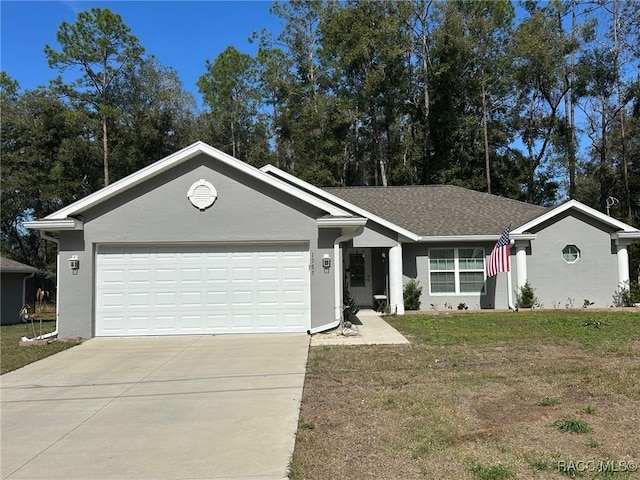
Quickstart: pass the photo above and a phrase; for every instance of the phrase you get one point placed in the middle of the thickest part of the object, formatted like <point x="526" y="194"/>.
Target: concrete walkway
<point x="210" y="407"/>
<point x="372" y="330"/>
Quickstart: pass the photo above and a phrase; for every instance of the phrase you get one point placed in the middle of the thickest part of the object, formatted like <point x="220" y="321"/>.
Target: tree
<point x="156" y="117"/>
<point x="47" y="154"/>
<point x="366" y="43"/>
<point x="101" y="46"/>
<point x="230" y="90"/>
<point x="420" y="28"/>
<point x="542" y="89"/>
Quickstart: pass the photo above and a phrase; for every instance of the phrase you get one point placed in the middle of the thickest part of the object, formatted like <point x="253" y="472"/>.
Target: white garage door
<point x="178" y="289"/>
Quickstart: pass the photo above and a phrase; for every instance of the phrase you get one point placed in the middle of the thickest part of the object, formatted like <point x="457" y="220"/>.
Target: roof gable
<point x="580" y="207"/>
<point x="327" y="195"/>
<point x="173" y="160"/>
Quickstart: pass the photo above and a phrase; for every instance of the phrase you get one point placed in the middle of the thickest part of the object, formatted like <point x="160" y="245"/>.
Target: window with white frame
<point x="456" y="270"/>
<point x="570" y="253"/>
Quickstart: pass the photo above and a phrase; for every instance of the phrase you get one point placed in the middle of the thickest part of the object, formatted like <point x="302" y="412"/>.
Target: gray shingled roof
<point x="8" y="265"/>
<point x="441" y="210"/>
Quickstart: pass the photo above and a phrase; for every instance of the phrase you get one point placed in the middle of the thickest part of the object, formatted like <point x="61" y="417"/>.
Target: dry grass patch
<point x="470" y="409"/>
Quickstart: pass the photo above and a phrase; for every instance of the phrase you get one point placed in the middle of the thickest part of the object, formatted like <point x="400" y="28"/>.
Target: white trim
<point x="318" y="192"/>
<point x="578" y="252"/>
<point x="55" y="225"/>
<point x="473" y="238"/>
<point x="178" y="158"/>
<point x="339" y="222"/>
<point x="625" y="237"/>
<point x="456" y="273"/>
<point x="581" y="207"/>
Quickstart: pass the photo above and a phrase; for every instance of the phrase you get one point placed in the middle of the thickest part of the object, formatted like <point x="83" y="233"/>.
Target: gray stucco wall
<point x="593" y="277"/>
<point x="375" y="236"/>
<point x="12" y="300"/>
<point x="416" y="266"/>
<point x="158" y="211"/>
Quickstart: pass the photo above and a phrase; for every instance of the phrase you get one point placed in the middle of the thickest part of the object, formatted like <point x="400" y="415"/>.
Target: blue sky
<point x="181" y="34"/>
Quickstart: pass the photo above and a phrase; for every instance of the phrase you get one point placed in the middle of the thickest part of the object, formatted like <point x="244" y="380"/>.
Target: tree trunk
<point x="105" y="147"/>
<point x="486" y="137"/>
<point x="623" y="152"/>
<point x="427" y="113"/>
<point x="105" y="136"/>
<point x="570" y="110"/>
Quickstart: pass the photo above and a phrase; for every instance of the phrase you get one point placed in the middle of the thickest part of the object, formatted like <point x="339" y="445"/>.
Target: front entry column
<point x="521" y="264"/>
<point x="396" y="300"/>
<point x="623" y="263"/>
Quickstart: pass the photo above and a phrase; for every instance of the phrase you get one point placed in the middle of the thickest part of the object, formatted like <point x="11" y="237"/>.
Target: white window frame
<point x="578" y="254"/>
<point x="456" y="272"/>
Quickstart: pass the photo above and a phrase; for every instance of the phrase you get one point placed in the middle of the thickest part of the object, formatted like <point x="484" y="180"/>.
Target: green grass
<point x="548" y="402"/>
<point x="14" y="356"/>
<point x="491" y="472"/>
<point x="572" y="425"/>
<point x="562" y="327"/>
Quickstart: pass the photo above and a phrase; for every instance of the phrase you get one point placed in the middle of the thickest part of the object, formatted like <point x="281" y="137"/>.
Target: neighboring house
<point x="202" y="243"/>
<point x="13" y="282"/>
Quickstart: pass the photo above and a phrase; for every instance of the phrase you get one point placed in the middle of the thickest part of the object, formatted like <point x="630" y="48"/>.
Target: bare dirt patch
<point x="447" y="411"/>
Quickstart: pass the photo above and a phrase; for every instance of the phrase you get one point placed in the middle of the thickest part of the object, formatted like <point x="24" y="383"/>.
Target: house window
<point x="571" y="254"/>
<point x="456" y="270"/>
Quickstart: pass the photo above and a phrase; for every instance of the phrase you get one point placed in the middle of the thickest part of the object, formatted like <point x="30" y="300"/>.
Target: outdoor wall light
<point x="74" y="264"/>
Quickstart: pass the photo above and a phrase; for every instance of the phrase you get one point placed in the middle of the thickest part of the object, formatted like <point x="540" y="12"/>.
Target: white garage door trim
<point x="202" y="289"/>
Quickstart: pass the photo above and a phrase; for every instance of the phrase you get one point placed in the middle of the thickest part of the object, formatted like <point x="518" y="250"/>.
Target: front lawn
<point x="542" y="394"/>
<point x="14" y="356"/>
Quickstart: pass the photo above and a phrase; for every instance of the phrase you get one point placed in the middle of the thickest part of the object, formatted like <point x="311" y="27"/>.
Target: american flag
<point x="499" y="258"/>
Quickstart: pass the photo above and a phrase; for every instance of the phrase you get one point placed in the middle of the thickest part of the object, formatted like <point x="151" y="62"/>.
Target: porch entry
<point x="366" y="274"/>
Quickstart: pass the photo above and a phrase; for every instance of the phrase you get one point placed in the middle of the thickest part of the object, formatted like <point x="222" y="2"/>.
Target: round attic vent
<point x="202" y="194"/>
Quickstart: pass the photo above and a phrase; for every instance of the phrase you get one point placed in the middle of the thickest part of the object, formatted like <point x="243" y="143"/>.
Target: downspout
<point x="337" y="273"/>
<point x="55" y="332"/>
<point x="24" y="286"/>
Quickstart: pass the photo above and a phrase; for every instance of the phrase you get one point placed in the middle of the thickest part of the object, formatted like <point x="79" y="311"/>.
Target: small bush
<point x="572" y="425"/>
<point x="548" y="402"/>
<point x="589" y="409"/>
<point x="526" y="298"/>
<point x="412" y="292"/>
<point x="627" y="294"/>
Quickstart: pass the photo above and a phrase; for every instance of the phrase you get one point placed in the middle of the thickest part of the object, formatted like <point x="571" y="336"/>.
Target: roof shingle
<point x="8" y="265"/>
<point x="441" y="210"/>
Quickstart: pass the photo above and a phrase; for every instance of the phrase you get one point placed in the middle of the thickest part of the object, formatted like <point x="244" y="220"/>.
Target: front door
<point x="358" y="275"/>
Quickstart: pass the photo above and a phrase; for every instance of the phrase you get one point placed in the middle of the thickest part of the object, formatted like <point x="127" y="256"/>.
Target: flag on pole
<point x="499" y="258"/>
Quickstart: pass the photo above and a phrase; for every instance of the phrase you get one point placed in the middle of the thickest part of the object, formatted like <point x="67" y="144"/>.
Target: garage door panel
<point x="166" y="290"/>
<point x="217" y="275"/>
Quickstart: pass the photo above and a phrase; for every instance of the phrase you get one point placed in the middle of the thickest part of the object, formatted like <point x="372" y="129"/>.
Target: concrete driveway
<point x="193" y="407"/>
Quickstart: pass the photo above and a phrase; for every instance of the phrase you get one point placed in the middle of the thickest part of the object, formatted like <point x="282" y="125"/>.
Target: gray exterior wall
<point x="375" y="236"/>
<point x="158" y="211"/>
<point x="416" y="266"/>
<point x="593" y="277"/>
<point x="557" y="284"/>
<point x="12" y="300"/>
